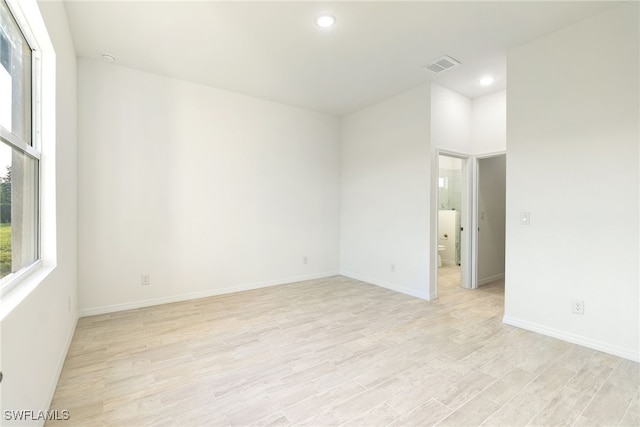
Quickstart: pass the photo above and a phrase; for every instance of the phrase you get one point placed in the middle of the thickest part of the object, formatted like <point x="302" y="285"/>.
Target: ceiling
<point x="274" y="50"/>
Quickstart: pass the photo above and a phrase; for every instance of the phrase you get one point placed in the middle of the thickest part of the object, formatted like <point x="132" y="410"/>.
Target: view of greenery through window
<point x="5" y="223"/>
<point x="6" y="154"/>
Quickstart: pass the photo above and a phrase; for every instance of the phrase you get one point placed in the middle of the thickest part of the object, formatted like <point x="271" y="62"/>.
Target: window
<point x="19" y="151"/>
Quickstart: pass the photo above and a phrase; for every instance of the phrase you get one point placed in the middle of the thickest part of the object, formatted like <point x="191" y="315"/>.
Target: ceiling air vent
<point x="441" y="64"/>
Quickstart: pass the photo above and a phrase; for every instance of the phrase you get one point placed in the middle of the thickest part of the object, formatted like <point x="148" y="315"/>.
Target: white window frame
<point x="27" y="16"/>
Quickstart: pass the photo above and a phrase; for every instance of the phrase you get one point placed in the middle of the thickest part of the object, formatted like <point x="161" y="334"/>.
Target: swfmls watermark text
<point x="31" y="415"/>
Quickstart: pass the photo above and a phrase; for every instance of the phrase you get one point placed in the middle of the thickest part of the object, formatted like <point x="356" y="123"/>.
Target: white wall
<point x="468" y="126"/>
<point x="573" y="132"/>
<point x="386" y="193"/>
<point x="446" y="162"/>
<point x="489" y="123"/>
<point x="206" y="191"/>
<point x="36" y="333"/>
<point x="450" y="120"/>
<point x="491" y="218"/>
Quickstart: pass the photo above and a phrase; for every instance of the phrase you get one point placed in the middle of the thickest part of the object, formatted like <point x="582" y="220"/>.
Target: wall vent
<point x="441" y="64"/>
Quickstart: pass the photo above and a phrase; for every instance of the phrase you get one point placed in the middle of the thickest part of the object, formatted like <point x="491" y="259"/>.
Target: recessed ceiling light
<point x="487" y="81"/>
<point x="325" y="21"/>
<point x="107" y="57"/>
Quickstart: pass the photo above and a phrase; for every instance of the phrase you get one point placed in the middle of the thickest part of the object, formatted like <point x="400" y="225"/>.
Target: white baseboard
<point x="407" y="291"/>
<point x="200" y="294"/>
<point x="491" y="279"/>
<point x="625" y="353"/>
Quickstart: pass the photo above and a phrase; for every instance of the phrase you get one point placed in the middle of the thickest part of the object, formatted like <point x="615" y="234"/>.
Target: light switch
<point x="525" y="218"/>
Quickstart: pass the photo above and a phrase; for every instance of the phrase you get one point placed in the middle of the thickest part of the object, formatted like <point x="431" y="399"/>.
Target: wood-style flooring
<point x="332" y="352"/>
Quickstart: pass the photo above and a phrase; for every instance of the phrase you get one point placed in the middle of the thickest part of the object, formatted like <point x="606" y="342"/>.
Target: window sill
<point x="21" y="291"/>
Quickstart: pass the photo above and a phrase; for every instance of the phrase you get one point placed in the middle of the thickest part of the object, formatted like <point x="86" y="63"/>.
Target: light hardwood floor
<point x="337" y="351"/>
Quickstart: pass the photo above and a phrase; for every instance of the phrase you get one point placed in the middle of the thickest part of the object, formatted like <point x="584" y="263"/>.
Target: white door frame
<point x="468" y="220"/>
<point x="466" y="258"/>
<point x="474" y="215"/>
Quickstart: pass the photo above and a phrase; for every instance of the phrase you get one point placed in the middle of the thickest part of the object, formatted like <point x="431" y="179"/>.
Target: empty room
<point x="301" y="213"/>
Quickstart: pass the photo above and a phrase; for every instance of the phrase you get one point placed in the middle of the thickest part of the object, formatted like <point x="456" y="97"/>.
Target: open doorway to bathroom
<point x="453" y="208"/>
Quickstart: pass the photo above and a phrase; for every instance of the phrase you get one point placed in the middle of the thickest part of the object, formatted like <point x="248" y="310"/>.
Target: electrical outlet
<point x="305" y="260"/>
<point x="145" y="280"/>
<point x="393" y="268"/>
<point x="577" y="306"/>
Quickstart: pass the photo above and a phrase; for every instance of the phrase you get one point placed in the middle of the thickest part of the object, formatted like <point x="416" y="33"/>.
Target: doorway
<point x="469" y="220"/>
<point x="489" y="219"/>
<point x="452" y="217"/>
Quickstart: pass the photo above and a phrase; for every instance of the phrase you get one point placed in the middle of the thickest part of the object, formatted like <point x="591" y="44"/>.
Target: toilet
<point x="441" y="248"/>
